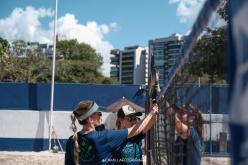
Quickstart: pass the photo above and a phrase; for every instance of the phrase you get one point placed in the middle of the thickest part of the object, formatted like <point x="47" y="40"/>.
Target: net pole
<point x="53" y="75"/>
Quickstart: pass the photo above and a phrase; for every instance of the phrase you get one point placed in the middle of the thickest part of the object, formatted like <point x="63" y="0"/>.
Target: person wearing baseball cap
<point x="129" y="113"/>
<point x="130" y="152"/>
<point x="89" y="146"/>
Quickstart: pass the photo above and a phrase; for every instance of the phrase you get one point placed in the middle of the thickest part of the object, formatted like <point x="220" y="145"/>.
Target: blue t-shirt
<point x="130" y="153"/>
<point x="188" y="151"/>
<point x="96" y="147"/>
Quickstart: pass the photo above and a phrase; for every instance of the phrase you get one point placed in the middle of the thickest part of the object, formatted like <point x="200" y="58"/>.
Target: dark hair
<point x="120" y="113"/>
<point x="198" y="121"/>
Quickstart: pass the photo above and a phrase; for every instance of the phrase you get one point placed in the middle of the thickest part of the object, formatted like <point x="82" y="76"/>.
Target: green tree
<point x="72" y="50"/>
<point x="207" y="60"/>
<point x="29" y="69"/>
<point x="4" y="49"/>
<point x="77" y="71"/>
<point x="80" y="64"/>
<point x="208" y="57"/>
<point x="108" y="80"/>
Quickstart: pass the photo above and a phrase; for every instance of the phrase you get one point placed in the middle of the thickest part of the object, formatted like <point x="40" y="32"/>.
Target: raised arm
<point x="150" y="124"/>
<point x="147" y="122"/>
<point x="181" y="128"/>
<point x="153" y="120"/>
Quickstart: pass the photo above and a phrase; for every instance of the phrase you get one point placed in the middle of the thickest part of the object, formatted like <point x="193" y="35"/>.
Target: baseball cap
<point x="127" y="110"/>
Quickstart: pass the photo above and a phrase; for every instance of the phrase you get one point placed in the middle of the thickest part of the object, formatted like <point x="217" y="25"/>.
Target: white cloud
<point x="114" y="25"/>
<point x="26" y="24"/>
<point x="91" y="33"/>
<point x="216" y="21"/>
<point x="187" y="10"/>
<point x="188" y="32"/>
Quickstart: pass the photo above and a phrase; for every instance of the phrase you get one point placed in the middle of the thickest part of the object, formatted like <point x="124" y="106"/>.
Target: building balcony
<point x="127" y="58"/>
<point x="128" y="81"/>
<point x="114" y="69"/>
<point x="126" y="71"/>
<point x="114" y="72"/>
<point x="127" y="66"/>
<point x="116" y="76"/>
<point x="115" y="60"/>
<point x="127" y="61"/>
<point x="114" y="63"/>
<point x="115" y="52"/>
<point x="129" y="54"/>
<point x="128" y="76"/>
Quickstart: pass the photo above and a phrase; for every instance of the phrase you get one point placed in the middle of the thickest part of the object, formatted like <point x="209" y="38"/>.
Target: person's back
<point x="188" y="151"/>
<point x="86" y="151"/>
<point x="96" y="147"/>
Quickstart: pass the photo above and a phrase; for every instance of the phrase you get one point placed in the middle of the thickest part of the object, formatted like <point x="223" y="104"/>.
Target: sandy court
<point x="216" y="161"/>
<point x="31" y="158"/>
<point x="47" y="158"/>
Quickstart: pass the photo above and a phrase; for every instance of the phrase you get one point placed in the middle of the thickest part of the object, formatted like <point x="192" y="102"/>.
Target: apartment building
<point x="130" y="66"/>
<point x="163" y="53"/>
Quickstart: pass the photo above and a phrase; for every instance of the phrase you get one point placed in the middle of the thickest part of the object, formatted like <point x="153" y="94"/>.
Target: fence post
<point x="210" y="118"/>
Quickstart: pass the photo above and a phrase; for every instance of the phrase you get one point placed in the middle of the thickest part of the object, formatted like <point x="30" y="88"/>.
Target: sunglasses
<point x="98" y="113"/>
<point x="131" y="118"/>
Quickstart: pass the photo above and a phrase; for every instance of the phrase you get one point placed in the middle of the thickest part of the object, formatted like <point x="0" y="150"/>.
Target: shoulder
<point x="107" y="134"/>
<point x="193" y="133"/>
<point x="69" y="140"/>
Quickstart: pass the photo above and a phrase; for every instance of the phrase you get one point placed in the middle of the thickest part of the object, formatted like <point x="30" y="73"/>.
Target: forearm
<point x="150" y="124"/>
<point x="181" y="128"/>
<point x="139" y="127"/>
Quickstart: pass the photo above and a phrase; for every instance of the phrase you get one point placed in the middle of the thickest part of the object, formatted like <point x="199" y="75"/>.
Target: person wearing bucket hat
<point x="90" y="147"/>
<point x="130" y="152"/>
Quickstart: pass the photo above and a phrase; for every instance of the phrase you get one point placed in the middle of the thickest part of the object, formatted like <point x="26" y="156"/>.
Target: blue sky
<point x="104" y="24"/>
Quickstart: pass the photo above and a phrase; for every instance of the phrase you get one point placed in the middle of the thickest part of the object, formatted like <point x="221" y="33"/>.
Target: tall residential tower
<point x="130" y="65"/>
<point x="164" y="52"/>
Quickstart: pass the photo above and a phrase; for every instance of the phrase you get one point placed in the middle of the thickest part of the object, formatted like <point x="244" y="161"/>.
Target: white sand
<point x="216" y="161"/>
<point x="48" y="158"/>
<point x="31" y="158"/>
